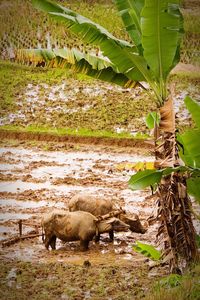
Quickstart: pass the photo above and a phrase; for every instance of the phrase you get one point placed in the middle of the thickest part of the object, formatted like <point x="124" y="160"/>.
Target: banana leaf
<point x="143" y="179"/>
<point x="194" y="108"/>
<point x="121" y="53"/>
<point x="130" y="14"/>
<point x="91" y="65"/>
<point x="193" y="187"/>
<point x="162" y="28"/>
<point x="190" y="150"/>
<point x="152" y="119"/>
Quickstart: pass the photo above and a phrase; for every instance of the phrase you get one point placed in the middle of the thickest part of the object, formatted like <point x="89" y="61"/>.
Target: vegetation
<point x="64" y="281"/>
<point x="147" y="250"/>
<point x="189" y="145"/>
<point x="177" y="287"/>
<point x="17" y="31"/>
<point x="107" y="112"/>
<point x="74" y="132"/>
<point x="80" y="105"/>
<point x="61" y="281"/>
<point x="15" y="78"/>
<point x="155" y="29"/>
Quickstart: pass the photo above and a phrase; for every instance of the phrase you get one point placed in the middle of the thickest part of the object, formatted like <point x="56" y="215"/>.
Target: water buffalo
<point x="98" y="207"/>
<point x="74" y="226"/>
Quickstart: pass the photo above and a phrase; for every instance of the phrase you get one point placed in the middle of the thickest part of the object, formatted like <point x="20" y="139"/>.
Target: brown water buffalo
<point x="98" y="207"/>
<point x="78" y="225"/>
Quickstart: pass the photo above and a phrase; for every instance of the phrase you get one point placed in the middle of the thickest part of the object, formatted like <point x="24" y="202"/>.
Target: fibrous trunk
<point x="176" y="231"/>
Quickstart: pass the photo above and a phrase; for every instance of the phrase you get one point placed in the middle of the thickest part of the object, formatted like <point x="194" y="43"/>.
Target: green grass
<point x="15" y="77"/>
<point x="174" y="287"/>
<point x="83" y="132"/>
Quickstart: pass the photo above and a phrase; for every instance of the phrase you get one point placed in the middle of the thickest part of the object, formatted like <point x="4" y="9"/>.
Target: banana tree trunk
<point x="176" y="231"/>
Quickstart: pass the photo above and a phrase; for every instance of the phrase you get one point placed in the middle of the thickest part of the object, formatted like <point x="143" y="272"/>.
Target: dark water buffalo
<point x="75" y="226"/>
<point x="99" y="207"/>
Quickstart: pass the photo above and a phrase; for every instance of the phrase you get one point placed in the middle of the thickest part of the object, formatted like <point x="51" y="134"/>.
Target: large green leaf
<point x="73" y="18"/>
<point x="162" y="27"/>
<point x="152" y="119"/>
<point x="193" y="187"/>
<point x="91" y="65"/>
<point x="147" y="250"/>
<point x="190" y="150"/>
<point x="130" y="14"/>
<point x="180" y="169"/>
<point x="194" y="108"/>
<point x="90" y="32"/>
<point x="120" y="53"/>
<point x="143" y="179"/>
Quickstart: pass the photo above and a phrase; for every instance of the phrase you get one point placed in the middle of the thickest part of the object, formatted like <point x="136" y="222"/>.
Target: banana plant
<point x="155" y="28"/>
<point x="189" y="145"/>
<point x="189" y="171"/>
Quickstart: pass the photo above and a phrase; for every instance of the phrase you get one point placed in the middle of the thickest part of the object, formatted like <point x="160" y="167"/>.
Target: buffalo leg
<point x="84" y="245"/>
<point x="97" y="238"/>
<point x="47" y="242"/>
<point x="52" y="242"/>
<point x="111" y="234"/>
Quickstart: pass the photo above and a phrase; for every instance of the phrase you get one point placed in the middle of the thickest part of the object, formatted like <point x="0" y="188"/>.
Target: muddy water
<point x="34" y="182"/>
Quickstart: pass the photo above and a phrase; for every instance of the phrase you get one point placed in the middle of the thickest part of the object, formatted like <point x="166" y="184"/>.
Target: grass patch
<point x="15" y="77"/>
<point x="83" y="132"/>
<point x="63" y="281"/>
<point x="28" y="98"/>
<point x="177" y="287"/>
<point x="88" y="107"/>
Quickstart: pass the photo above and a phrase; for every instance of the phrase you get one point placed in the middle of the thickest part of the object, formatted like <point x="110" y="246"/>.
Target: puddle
<point x="20" y="186"/>
<point x="10" y="167"/>
<point x="5" y="229"/>
<point x="30" y="204"/>
<point x="12" y="277"/>
<point x="55" y="171"/>
<point x="8" y="231"/>
<point x="13" y="216"/>
<point x="85" y="159"/>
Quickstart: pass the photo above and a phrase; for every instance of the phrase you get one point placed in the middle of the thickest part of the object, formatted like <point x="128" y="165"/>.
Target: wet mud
<point x="33" y="182"/>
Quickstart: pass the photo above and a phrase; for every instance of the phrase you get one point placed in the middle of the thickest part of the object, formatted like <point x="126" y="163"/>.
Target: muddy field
<point x="35" y="181"/>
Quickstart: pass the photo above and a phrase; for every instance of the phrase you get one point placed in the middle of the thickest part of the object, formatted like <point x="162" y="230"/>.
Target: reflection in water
<point x="20" y="186"/>
<point x="30" y="204"/>
<point x="13" y="216"/>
